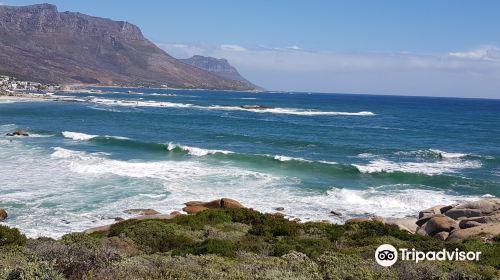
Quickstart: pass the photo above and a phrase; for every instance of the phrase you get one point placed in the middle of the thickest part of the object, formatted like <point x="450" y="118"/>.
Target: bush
<point x="11" y="236"/>
<point x="337" y="266"/>
<point x="157" y="236"/>
<point x="75" y="255"/>
<point x="216" y="246"/>
<point x="198" y="221"/>
<point x="35" y="270"/>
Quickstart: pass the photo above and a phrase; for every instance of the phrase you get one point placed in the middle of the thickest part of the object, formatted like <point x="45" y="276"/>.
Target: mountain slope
<point x="219" y="67"/>
<point x="40" y="43"/>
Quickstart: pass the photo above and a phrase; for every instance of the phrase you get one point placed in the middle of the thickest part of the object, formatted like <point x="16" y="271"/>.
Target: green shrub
<point x="11" y="236"/>
<point x="75" y="255"/>
<point x="198" y="221"/>
<point x="158" y="236"/>
<point x="337" y="266"/>
<point x="35" y="270"/>
<point x="374" y="229"/>
<point x="331" y="231"/>
<point x="313" y="247"/>
<point x="216" y="246"/>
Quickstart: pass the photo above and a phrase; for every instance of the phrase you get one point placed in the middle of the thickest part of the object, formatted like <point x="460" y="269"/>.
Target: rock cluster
<point x="18" y="133"/>
<point x="3" y="214"/>
<point x="193" y="207"/>
<point x="452" y="222"/>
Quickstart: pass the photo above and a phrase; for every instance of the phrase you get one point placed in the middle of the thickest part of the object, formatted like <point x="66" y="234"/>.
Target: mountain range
<point x="41" y="44"/>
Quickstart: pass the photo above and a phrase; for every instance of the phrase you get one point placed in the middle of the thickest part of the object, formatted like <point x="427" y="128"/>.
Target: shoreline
<point x="443" y="222"/>
<point x="226" y="240"/>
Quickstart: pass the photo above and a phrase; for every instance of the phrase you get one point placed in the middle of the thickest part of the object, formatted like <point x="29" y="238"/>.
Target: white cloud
<point x="483" y="53"/>
<point x="235" y="48"/>
<point x="475" y="73"/>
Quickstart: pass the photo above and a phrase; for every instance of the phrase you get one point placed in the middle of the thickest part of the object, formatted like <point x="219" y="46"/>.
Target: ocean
<point x="85" y="162"/>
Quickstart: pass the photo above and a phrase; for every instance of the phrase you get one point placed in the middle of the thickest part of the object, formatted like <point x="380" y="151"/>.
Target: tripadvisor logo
<point x="387" y="255"/>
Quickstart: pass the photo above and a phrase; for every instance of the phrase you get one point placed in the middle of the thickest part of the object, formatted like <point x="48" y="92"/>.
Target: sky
<point x="412" y="47"/>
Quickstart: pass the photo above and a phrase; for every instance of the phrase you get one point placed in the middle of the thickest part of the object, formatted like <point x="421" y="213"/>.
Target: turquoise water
<point x="87" y="161"/>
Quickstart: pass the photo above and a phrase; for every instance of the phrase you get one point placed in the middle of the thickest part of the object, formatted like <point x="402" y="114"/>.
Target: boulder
<point x="440" y="223"/>
<point x="407" y="224"/>
<point x="154" y="217"/>
<point x="279" y="209"/>
<point x="175" y="213"/>
<point x="446" y="208"/>
<point x="218" y="203"/>
<point x="424" y="219"/>
<point x="442" y="235"/>
<point x="338" y="214"/>
<point x="105" y="228"/>
<point x="488" y="231"/>
<point x="230" y="203"/>
<point x="456" y="213"/>
<point x="467" y="224"/>
<point x="213" y="204"/>
<point x="484" y="206"/>
<point x="144" y="212"/>
<point x="193" y="209"/>
<point x="431" y="211"/>
<point x="3" y="214"/>
<point x="193" y="203"/>
<point x="493" y="218"/>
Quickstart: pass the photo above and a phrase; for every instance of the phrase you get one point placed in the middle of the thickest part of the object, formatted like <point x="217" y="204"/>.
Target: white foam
<point x="286" y="158"/>
<point x="194" y="151"/>
<point x="366" y="155"/>
<point x="35" y="135"/>
<point x="289" y="111"/>
<point x="444" y="154"/>
<point x="78" y="135"/>
<point x="68" y="190"/>
<point x="429" y="168"/>
<point x="131" y="103"/>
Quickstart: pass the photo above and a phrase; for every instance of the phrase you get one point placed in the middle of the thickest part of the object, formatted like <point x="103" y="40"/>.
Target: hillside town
<point x="12" y="86"/>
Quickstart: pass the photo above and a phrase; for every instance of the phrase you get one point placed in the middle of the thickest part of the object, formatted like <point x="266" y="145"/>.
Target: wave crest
<point x="194" y="151"/>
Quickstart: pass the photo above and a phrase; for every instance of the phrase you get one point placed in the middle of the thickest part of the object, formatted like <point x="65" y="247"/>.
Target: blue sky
<point x="441" y="48"/>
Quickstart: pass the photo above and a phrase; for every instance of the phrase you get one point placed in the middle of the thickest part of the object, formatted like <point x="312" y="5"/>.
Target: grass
<point x="233" y="244"/>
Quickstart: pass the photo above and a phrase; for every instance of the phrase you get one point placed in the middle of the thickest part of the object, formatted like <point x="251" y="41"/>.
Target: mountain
<point x="39" y="43"/>
<point x="218" y="66"/>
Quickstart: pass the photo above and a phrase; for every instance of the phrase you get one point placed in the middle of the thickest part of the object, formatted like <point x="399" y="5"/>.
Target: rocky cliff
<point x="39" y="43"/>
<point x="219" y="67"/>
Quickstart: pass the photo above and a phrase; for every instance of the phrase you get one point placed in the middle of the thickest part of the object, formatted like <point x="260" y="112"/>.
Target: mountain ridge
<point x="42" y="44"/>
<point x="218" y="66"/>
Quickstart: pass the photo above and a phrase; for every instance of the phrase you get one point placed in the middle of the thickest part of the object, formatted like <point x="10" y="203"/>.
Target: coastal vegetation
<point x="225" y="243"/>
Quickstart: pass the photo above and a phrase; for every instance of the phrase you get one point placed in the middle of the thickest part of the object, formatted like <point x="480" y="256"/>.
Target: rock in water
<point x="145" y="212"/>
<point x="3" y="214"/>
<point x="18" y="133"/>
